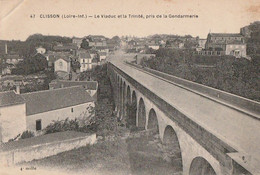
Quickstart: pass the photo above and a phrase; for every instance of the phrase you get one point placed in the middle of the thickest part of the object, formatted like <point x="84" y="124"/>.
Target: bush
<point x="81" y="124"/>
<point x="14" y="139"/>
<point x="26" y="134"/>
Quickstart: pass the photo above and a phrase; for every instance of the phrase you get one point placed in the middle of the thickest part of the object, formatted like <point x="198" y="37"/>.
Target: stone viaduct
<point x="196" y="150"/>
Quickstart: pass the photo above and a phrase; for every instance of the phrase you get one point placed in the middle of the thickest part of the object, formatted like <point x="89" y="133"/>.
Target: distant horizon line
<point x="131" y="35"/>
<point x="127" y="35"/>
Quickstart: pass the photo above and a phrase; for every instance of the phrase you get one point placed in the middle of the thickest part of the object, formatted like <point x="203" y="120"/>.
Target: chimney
<point x="6" y="52"/>
<point x="17" y="89"/>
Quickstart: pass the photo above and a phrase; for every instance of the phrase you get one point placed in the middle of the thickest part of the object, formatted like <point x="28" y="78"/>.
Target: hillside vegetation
<point x="237" y="76"/>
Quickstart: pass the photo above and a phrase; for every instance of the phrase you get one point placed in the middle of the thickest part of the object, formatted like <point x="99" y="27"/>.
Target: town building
<point x="42" y="107"/>
<point x="62" y="64"/>
<point x="12" y="59"/>
<point x="102" y="56"/>
<point x="112" y="44"/>
<point x="93" y="53"/>
<point x="97" y="41"/>
<point x="202" y="43"/>
<point x="7" y="69"/>
<point x="77" y="41"/>
<point x="70" y="47"/>
<point x="131" y="44"/>
<point x="9" y="62"/>
<point x="51" y="57"/>
<point x="217" y="41"/>
<point x="41" y="50"/>
<point x="62" y="67"/>
<point x="85" y="61"/>
<point x="236" y="49"/>
<point x="11" y="80"/>
<point x="101" y="49"/>
<point x="36" y="110"/>
<point x="176" y="43"/>
<point x="228" y="43"/>
<point x="155" y="47"/>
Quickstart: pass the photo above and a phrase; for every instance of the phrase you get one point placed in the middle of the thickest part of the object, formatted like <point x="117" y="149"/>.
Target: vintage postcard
<point x="130" y="87"/>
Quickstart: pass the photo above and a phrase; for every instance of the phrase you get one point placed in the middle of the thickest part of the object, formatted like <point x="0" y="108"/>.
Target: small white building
<point x="102" y="49"/>
<point x="155" y="47"/>
<point x="236" y="49"/>
<point x="13" y="59"/>
<point x="102" y="56"/>
<point x="41" y="50"/>
<point x="36" y="110"/>
<point x="43" y="107"/>
<point x="62" y="64"/>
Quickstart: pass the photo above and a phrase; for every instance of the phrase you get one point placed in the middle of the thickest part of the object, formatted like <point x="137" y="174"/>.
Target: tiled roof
<point x="65" y="47"/>
<point x="92" y="51"/>
<point x="84" y="55"/>
<point x="101" y="47"/>
<point x="235" y="42"/>
<point x="225" y="34"/>
<point x="10" y="98"/>
<point x="43" y="139"/>
<point x="53" y="56"/>
<point x="43" y="101"/>
<point x="16" y="57"/>
<point x="224" y="42"/>
<point x="102" y="53"/>
<point x="65" y="58"/>
<point x="89" y="85"/>
<point x="12" y="78"/>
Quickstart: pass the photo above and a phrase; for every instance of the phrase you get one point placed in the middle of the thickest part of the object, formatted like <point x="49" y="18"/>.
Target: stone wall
<point x="44" y="150"/>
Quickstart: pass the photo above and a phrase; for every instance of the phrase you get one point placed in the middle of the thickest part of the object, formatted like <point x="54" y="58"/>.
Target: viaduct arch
<point x="178" y="144"/>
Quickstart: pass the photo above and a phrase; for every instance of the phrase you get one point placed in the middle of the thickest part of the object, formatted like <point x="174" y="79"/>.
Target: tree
<point x="31" y="65"/>
<point x="75" y="65"/>
<point x="85" y="44"/>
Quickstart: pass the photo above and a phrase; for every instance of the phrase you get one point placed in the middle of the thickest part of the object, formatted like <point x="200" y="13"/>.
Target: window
<point x="60" y="64"/>
<point x="38" y="125"/>
<point x="71" y="109"/>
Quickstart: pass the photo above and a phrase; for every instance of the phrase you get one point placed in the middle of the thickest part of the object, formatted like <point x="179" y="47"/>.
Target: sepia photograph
<point x="120" y="87"/>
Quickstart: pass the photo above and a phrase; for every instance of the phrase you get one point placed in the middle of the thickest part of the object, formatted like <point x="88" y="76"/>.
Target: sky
<point x="216" y="16"/>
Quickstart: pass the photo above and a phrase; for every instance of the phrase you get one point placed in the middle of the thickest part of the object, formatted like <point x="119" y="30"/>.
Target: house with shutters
<point x="85" y="60"/>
